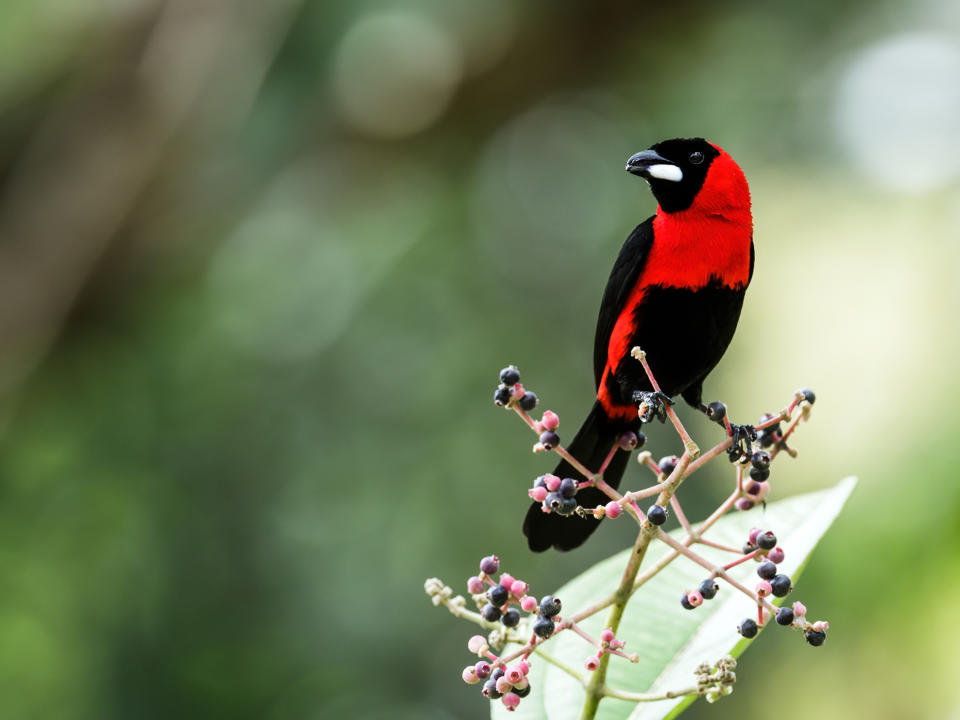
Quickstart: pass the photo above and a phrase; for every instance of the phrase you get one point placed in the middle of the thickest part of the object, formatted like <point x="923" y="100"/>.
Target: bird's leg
<point x="742" y="435"/>
<point x="652" y="404"/>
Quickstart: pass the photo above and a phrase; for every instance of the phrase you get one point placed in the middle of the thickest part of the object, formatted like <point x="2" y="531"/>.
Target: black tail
<point x="590" y="446"/>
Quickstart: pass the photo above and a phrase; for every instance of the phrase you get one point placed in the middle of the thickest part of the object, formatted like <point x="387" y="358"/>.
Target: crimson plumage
<point x="675" y="290"/>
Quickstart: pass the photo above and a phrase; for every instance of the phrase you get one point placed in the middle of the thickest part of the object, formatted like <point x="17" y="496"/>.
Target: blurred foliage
<point x="260" y="264"/>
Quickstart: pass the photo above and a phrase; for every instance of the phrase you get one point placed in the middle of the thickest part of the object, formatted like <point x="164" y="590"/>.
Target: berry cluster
<point x="494" y="601"/>
<point x="555" y="495"/>
<point x="507" y="683"/>
<point x="608" y="644"/>
<point x="707" y="590"/>
<point x="510" y="392"/>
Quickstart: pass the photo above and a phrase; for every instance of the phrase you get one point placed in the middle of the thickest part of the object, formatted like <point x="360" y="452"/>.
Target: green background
<point x="261" y="262"/>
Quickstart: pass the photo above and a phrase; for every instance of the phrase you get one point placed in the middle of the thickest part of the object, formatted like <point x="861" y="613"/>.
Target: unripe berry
<point x="510" y="700"/>
<point x="482" y="669"/>
<point x="524" y="667"/>
<point x="784" y="616"/>
<point x="469" y="675"/>
<point x="550" y="420"/>
<point x="763" y="589"/>
<point x="503" y="685"/>
<point x="475" y="585"/>
<point x="716" y="411"/>
<point x="543" y="627"/>
<point x="528" y="402"/>
<point x="538" y="494"/>
<point x="743" y="504"/>
<point x="766" y="540"/>
<point x="529" y="603"/>
<point x="552" y="482"/>
<point x="568" y="487"/>
<point x="491" y="613"/>
<point x="591" y="663"/>
<point x="760" y="460"/>
<point x="510" y="375"/>
<point x="490" y="689"/>
<point x="748" y="628"/>
<point x="758" y="490"/>
<point x="767" y="570"/>
<point x="477" y="644"/>
<point x="781" y="585"/>
<point x="550" y="606"/>
<point x="821" y="625"/>
<point x="695" y="598"/>
<point x="613" y="509"/>
<point x="549" y="439"/>
<point x="815" y="637"/>
<point x="709" y="588"/>
<point x="628" y="441"/>
<point x="511" y="618"/>
<point x="607" y="635"/>
<point x="657" y="514"/>
<point x="518" y="588"/>
<point x="490" y="564"/>
<point x="498" y="595"/>
<point x="799" y="609"/>
<point x="514" y="674"/>
<point x="752" y="538"/>
<point x="776" y="555"/>
<point x="506" y="579"/>
<point x="668" y="464"/>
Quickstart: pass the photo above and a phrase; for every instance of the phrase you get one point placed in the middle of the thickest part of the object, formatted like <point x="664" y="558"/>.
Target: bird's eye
<point x="696" y="157"/>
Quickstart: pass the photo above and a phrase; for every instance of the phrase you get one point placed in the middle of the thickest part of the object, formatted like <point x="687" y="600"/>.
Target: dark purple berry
<point x="550" y="606"/>
<point x="716" y="411"/>
<point x="511" y="617"/>
<point x="708" y="588"/>
<point x="490" y="690"/>
<point x="781" y="585"/>
<point x="759" y="474"/>
<point x="568" y="487"/>
<point x="753" y="488"/>
<point x="668" y="464"/>
<point x="510" y="376"/>
<point x="784" y="616"/>
<point x="528" y="402"/>
<point x="767" y="570"/>
<point x="567" y="507"/>
<point x="734" y="453"/>
<point x="498" y="595"/>
<point x="748" y="628"/>
<point x="490" y="612"/>
<point x="543" y="627"/>
<point x="498" y="672"/>
<point x="490" y="565"/>
<point x="657" y="514"/>
<point x="482" y="669"/>
<point x="540" y="482"/>
<point x="815" y="637"/>
<point x="501" y="396"/>
<point x="808" y="395"/>
<point x="628" y="441"/>
<point x="748" y="547"/>
<point x="685" y="601"/>
<point x="767" y="540"/>
<point x="552" y="501"/>
<point x="760" y="459"/>
<point x="522" y="693"/>
<point x="549" y="439"/>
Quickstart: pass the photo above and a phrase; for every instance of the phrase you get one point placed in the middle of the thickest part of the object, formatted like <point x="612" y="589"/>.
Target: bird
<point x="675" y="290"/>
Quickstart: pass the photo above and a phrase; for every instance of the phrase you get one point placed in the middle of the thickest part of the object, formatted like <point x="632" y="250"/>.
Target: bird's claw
<point x="742" y="436"/>
<point x="652" y="405"/>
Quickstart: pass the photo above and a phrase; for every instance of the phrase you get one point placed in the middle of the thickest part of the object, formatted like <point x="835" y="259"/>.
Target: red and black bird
<point x="675" y="290"/>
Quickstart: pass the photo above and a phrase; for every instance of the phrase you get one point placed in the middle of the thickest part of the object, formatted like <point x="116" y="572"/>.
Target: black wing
<point x="633" y="255"/>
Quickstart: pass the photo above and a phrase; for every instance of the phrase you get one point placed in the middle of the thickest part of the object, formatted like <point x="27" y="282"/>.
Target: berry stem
<point x="718" y="546"/>
<point x="690" y="447"/>
<point x="748" y="556"/>
<point x="562" y="666"/>
<point x="647" y="697"/>
<point x="681" y="517"/>
<point x="606" y="462"/>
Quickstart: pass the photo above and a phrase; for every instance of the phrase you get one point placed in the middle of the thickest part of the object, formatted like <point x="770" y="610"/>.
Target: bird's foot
<point x="743" y="436"/>
<point x="652" y="405"/>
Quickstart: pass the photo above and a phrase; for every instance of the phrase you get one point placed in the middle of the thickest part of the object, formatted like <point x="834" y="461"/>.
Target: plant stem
<point x="648" y="697"/>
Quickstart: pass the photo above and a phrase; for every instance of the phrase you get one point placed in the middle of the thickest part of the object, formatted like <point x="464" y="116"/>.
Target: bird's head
<point x="691" y="173"/>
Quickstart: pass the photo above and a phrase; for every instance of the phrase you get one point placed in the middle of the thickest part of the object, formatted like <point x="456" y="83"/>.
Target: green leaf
<point x="671" y="641"/>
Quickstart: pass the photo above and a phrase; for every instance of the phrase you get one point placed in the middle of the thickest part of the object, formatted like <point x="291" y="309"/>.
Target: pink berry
<point x="506" y="579"/>
<point x="776" y="555"/>
<point x="489" y="565"/>
<point x="477" y="644"/>
<point x="821" y="625"/>
<point x="514" y="675"/>
<point x="752" y="539"/>
<point x="799" y="609"/>
<point x="517" y="391"/>
<point x="695" y="598"/>
<point x="613" y="510"/>
<point x="591" y="663"/>
<point x="764" y="589"/>
<point x="510" y="701"/>
<point x="529" y="603"/>
<point x="469" y="675"/>
<point x="607" y="635"/>
<point x="552" y="482"/>
<point x="628" y="441"/>
<point x="549" y="421"/>
<point x="482" y="669"/>
<point x="524" y="667"/>
<point x="476" y="586"/>
<point x="539" y="494"/>
<point x="503" y="685"/>
<point x="743" y="504"/>
<point x="519" y="588"/>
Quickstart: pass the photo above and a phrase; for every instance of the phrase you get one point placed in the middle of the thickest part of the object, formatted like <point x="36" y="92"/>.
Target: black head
<point x="675" y="170"/>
